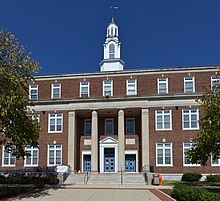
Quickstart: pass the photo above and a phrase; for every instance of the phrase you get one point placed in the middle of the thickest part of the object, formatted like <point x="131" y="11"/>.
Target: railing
<point x="86" y="177"/>
<point x="121" y="177"/>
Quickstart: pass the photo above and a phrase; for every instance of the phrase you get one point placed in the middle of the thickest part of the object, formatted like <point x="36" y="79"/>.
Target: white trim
<point x="188" y="165"/>
<point x="214" y="78"/>
<point x="171" y="155"/>
<point x="3" y="165"/>
<point x="30" y="89"/>
<point x="193" y="82"/>
<point x="54" y="154"/>
<point x="88" y="86"/>
<point x="158" y="84"/>
<point x="135" y="87"/>
<point x="52" y="87"/>
<point x="103" y="87"/>
<point x="135" y="152"/>
<point x="190" y="122"/>
<point x="156" y="117"/>
<point x="49" y="119"/>
<point x="215" y="165"/>
<point x="108" y="143"/>
<point x="32" y="149"/>
<point x="85" y="152"/>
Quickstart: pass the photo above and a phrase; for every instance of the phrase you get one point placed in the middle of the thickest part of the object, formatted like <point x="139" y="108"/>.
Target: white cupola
<point x="112" y="61"/>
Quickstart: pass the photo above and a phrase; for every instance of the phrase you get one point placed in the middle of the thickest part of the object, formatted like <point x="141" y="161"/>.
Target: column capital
<point x="121" y="113"/>
<point x="72" y="113"/>
<point x="145" y="111"/>
<point x="94" y="113"/>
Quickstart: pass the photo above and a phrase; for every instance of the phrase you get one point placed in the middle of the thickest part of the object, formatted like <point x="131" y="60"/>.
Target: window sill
<point x="164" y="165"/>
<point x="8" y="165"/>
<point x="55" y="132"/>
<point x="163" y="129"/>
<point x="189" y="129"/>
<point x="31" y="165"/>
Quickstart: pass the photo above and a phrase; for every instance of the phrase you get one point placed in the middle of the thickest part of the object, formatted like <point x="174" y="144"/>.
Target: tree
<point x="207" y="142"/>
<point x="16" y="71"/>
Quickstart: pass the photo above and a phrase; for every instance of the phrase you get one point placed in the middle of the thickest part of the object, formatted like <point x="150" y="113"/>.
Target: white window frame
<point x="84" y="85"/>
<point x="32" y="150"/>
<point x="112" y="51"/>
<point x="85" y="122"/>
<point x="164" y="148"/>
<point x="184" y="147"/>
<point x="112" y="119"/>
<point x="190" y="118"/>
<point x="55" y="149"/>
<point x="189" y="79"/>
<point x="9" y="158"/>
<point x="55" y="87"/>
<point x="31" y="89"/>
<point x="108" y="85"/>
<point x="218" y="161"/>
<point x="127" y="125"/>
<point x="215" y="79"/>
<point x="162" y="81"/>
<point x="55" y="118"/>
<point x="163" y="114"/>
<point x="133" y="85"/>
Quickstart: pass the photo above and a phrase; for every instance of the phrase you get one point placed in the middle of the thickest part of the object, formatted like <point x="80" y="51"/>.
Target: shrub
<point x="191" y="176"/>
<point x="185" y="193"/>
<point x="213" y="178"/>
<point x="39" y="183"/>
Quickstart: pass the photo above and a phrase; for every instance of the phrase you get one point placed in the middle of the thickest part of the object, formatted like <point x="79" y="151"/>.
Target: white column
<point x="72" y="140"/>
<point x="145" y="139"/>
<point x="121" y="141"/>
<point x="94" y="146"/>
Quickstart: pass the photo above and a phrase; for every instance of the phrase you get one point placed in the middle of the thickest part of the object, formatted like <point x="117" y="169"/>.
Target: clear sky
<point x="67" y="36"/>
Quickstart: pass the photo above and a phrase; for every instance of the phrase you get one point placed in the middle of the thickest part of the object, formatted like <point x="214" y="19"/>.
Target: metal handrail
<point x="86" y="177"/>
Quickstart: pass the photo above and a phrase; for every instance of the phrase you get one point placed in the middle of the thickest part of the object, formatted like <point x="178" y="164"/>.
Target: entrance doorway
<point x="130" y="163"/>
<point x="86" y="163"/>
<point x="109" y="159"/>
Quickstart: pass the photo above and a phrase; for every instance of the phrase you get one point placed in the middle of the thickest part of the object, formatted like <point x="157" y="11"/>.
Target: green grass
<point x="199" y="183"/>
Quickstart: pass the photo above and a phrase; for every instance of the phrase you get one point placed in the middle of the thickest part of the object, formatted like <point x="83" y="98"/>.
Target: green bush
<point x="191" y="176"/>
<point x="213" y="178"/>
<point x="185" y="193"/>
<point x="6" y="191"/>
<point x="39" y="182"/>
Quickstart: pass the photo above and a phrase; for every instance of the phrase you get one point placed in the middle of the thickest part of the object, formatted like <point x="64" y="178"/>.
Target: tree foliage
<point x="16" y="70"/>
<point x="208" y="138"/>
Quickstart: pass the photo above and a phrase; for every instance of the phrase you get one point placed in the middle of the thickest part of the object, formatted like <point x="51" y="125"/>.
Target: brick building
<point x="116" y="119"/>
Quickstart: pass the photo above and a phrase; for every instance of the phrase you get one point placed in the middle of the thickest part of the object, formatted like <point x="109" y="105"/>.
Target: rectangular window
<point x="130" y="125"/>
<point x="87" y="126"/>
<point x="164" y="154"/>
<point x="7" y="158"/>
<point x="162" y="85"/>
<point x="216" y="161"/>
<point x="56" y="90"/>
<point x="84" y="89"/>
<point x="186" y="147"/>
<point x="131" y="87"/>
<point x="163" y="120"/>
<point x="107" y="88"/>
<point x="55" y="122"/>
<point x="215" y="81"/>
<point x="33" y="91"/>
<point x="109" y="126"/>
<point x="190" y="118"/>
<point x="54" y="154"/>
<point x="31" y="160"/>
<point x="189" y="85"/>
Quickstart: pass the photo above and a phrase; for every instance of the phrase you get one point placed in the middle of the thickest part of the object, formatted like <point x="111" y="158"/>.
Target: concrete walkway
<point x="96" y="194"/>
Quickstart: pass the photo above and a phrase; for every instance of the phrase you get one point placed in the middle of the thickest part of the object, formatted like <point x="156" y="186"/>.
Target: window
<point x="111" y="51"/>
<point x="163" y="120"/>
<point x="31" y="160"/>
<point x="216" y="161"/>
<point x="109" y="126"/>
<point x="162" y="85"/>
<point x="56" y="90"/>
<point x="8" y="159"/>
<point x="107" y="88"/>
<point x="215" y="81"/>
<point x="186" y="147"/>
<point x="164" y="154"/>
<point x="130" y="125"/>
<point x="190" y="119"/>
<point x="54" y="154"/>
<point x="33" y="91"/>
<point x="84" y="89"/>
<point x="131" y="87"/>
<point x="87" y="126"/>
<point x="55" y="122"/>
<point x="189" y="85"/>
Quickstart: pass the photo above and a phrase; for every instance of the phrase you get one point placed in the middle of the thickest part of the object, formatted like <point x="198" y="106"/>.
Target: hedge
<point x="191" y="176"/>
<point x="213" y="178"/>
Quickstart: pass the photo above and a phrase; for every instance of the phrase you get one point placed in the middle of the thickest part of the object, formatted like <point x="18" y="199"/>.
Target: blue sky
<point x="67" y="36"/>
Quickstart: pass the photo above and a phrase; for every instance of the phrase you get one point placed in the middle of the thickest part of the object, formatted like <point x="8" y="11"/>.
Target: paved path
<point x="61" y="194"/>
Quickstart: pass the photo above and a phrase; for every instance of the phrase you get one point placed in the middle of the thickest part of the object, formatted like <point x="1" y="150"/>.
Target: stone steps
<point x="106" y="178"/>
